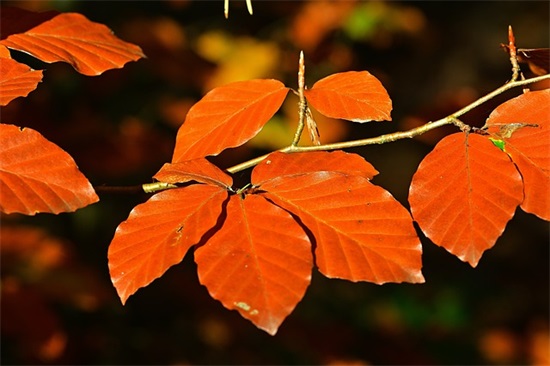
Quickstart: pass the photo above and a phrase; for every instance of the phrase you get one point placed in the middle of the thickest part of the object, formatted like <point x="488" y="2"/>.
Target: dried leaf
<point x="38" y="176"/>
<point x="89" y="47"/>
<point x="258" y="263"/>
<point x="357" y="96"/>
<point x="227" y="116"/>
<point x="159" y="232"/>
<point x="463" y="194"/>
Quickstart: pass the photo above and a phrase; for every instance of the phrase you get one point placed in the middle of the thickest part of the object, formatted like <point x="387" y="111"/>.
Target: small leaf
<point x="528" y="146"/>
<point x="16" y="80"/>
<point x="228" y="116"/>
<point x="357" y="96"/>
<point x="91" y="48"/>
<point x="159" y="232"/>
<point x="38" y="176"/>
<point x="279" y="164"/>
<point x="199" y="170"/>
<point x="259" y="262"/>
<point x="463" y="194"/>
<point x="498" y="143"/>
<point x="362" y="233"/>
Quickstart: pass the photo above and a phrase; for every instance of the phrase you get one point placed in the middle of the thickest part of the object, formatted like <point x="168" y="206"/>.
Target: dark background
<point x="58" y="304"/>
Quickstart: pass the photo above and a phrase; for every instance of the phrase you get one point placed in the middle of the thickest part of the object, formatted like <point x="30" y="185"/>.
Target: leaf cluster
<point x="256" y="246"/>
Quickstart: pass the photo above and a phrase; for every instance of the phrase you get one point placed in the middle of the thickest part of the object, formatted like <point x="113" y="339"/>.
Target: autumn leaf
<point x="16" y="80"/>
<point x="523" y="124"/>
<point x="158" y="234"/>
<point x="199" y="170"/>
<point x="463" y="194"/>
<point x="361" y="232"/>
<point x="89" y="47"/>
<point x="258" y="263"/>
<point x="38" y="176"/>
<point x="357" y="96"/>
<point x="228" y="116"/>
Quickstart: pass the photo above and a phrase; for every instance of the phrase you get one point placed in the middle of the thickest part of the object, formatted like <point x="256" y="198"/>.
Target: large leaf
<point x="357" y="96"/>
<point x="318" y="161"/>
<point x="228" y="116"/>
<point x="463" y="194"/>
<point x="523" y="124"/>
<point x="259" y="262"/>
<point x="16" y="80"/>
<point x="199" y="170"/>
<point x="159" y="232"/>
<point x="91" y="48"/>
<point x="362" y="233"/>
<point x="38" y="176"/>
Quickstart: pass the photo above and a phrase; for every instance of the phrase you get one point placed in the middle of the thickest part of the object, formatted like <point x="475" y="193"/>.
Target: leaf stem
<point x="382" y="139"/>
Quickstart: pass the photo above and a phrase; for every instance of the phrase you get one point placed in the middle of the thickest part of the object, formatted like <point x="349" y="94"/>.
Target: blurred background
<point x="58" y="303"/>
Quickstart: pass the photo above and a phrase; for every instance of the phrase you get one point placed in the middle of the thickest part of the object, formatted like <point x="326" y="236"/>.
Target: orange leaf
<point x="38" y="176"/>
<point x="4" y="52"/>
<point x="463" y="194"/>
<point x="16" y="80"/>
<point x="91" y="48"/>
<point x="354" y="95"/>
<point x="310" y="162"/>
<point x="228" y="116"/>
<point x="259" y="262"/>
<point x="159" y="232"/>
<point x="528" y="146"/>
<point x="362" y="233"/>
<point x="199" y="170"/>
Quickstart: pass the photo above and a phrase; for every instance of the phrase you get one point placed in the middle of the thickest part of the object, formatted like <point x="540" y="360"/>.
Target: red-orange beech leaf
<point x="361" y="232"/>
<point x="463" y="194"/>
<point x="16" y="80"/>
<point x="91" y="48"/>
<point x="357" y="96"/>
<point x="259" y="263"/>
<point x="228" y="116"/>
<point x="523" y="123"/>
<point x="159" y="232"/>
<point x="38" y="176"/>
<point x="317" y="161"/>
<point x="199" y="170"/>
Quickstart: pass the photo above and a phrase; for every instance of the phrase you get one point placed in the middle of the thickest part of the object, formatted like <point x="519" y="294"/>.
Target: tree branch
<point x="451" y="119"/>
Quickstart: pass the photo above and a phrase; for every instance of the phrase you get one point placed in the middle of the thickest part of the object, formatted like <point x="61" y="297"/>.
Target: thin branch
<point x="451" y="119"/>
